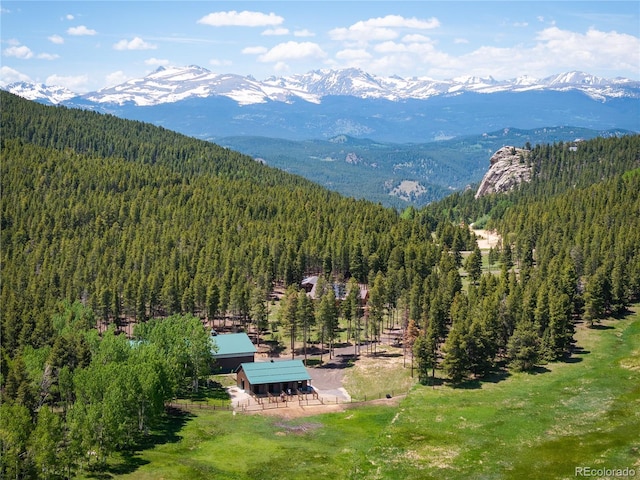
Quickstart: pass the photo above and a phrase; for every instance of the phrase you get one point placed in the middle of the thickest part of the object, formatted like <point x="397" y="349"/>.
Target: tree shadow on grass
<point x="599" y="326"/>
<point x="476" y="383"/>
<point x="209" y="390"/>
<point x="580" y="351"/>
<point x="433" y="382"/>
<point x="571" y="359"/>
<point x="387" y="355"/>
<point x="165" y="431"/>
<point x="537" y="370"/>
<point x="130" y="463"/>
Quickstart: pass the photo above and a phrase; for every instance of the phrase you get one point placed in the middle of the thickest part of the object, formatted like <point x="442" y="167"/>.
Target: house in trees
<point x="309" y="285"/>
<point x="232" y="350"/>
<point x="263" y="378"/>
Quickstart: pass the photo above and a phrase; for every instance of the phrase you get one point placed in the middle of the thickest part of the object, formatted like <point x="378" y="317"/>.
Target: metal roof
<point x="233" y="345"/>
<point x="259" y="373"/>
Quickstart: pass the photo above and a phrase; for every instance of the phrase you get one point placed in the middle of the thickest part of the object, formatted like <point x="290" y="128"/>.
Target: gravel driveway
<point x="327" y="379"/>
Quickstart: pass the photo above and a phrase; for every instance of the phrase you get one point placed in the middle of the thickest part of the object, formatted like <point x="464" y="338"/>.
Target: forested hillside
<point x="572" y="236"/>
<point x="581" y="208"/>
<point x="106" y="219"/>
<point x="135" y="220"/>
<point x="558" y="168"/>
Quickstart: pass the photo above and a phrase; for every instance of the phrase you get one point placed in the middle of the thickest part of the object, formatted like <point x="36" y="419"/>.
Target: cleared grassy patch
<point x="585" y="412"/>
<point x="377" y="375"/>
<point x="219" y="445"/>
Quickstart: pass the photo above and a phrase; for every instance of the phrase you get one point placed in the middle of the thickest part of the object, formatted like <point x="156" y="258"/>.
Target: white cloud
<point x="69" y="17"/>
<point x="9" y="75"/>
<point x="48" y="56"/>
<point x="460" y="41"/>
<point x="381" y="28"/>
<point x="241" y="19"/>
<point x="556" y="51"/>
<point x="390" y="47"/>
<point x="281" y="67"/>
<point x="80" y="30"/>
<point x="220" y="63"/>
<point x="18" y="51"/>
<point x="593" y="50"/>
<point x="57" y="39"/>
<point x="136" y="44"/>
<point x="399" y="21"/>
<point x="276" y="31"/>
<point x="303" y="33"/>
<point x="292" y="51"/>
<point x="415" y="38"/>
<point x="254" y="50"/>
<point x="356" y="54"/>
<point x="115" y="78"/>
<point x="156" y="62"/>
<point x="421" y="49"/>
<point x="362" y="34"/>
<point x="75" y="84"/>
<point x="25" y="53"/>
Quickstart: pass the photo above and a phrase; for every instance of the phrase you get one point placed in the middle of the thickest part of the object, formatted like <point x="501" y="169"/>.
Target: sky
<point x="88" y="45"/>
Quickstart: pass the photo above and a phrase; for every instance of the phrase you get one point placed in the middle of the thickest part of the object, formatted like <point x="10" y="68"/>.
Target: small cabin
<point x="340" y="290"/>
<point x="263" y="378"/>
<point x="232" y="349"/>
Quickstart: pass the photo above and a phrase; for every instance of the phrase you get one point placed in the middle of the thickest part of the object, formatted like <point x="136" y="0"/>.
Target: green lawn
<point x="583" y="413"/>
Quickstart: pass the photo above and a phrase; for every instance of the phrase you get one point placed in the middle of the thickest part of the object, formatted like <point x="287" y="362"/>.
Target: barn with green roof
<point x="231" y="350"/>
<point x="261" y="378"/>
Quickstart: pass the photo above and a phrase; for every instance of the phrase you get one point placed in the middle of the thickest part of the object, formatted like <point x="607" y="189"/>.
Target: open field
<point x="581" y="413"/>
<point x="487" y="239"/>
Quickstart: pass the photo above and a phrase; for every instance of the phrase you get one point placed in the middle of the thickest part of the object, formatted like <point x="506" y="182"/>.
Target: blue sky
<point x="87" y="45"/>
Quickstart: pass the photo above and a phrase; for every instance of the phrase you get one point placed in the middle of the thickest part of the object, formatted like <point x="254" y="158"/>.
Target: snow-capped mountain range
<point x="41" y="92"/>
<point x="173" y="84"/>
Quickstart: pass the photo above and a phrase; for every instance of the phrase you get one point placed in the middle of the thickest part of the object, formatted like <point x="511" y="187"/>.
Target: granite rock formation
<point x="509" y="168"/>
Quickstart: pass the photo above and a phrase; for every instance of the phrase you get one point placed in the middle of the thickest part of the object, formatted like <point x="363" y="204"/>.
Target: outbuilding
<point x="232" y="349"/>
<point x="263" y="378"/>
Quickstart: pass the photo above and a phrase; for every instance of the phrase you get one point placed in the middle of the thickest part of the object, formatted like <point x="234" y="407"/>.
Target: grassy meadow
<point x="581" y="413"/>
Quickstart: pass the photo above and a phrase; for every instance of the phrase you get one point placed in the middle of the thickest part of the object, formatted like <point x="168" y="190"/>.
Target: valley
<point x="398" y="175"/>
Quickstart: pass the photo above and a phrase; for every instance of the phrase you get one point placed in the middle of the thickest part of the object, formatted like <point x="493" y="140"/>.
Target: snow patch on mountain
<point x="172" y="84"/>
<point x="38" y="91"/>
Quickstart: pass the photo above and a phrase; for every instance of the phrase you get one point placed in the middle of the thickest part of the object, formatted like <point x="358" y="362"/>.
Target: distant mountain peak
<point x="169" y="84"/>
<point x="53" y="94"/>
<point x="573" y="78"/>
<point x="474" y="80"/>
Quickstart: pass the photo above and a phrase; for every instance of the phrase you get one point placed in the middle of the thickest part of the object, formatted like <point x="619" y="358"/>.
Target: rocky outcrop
<point x="509" y="168"/>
